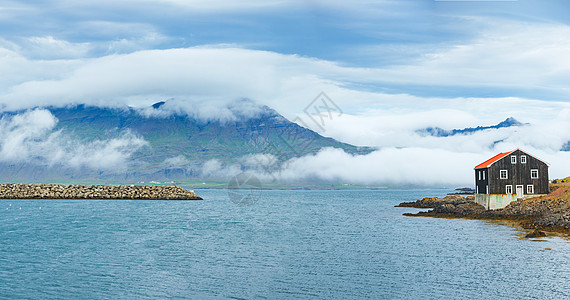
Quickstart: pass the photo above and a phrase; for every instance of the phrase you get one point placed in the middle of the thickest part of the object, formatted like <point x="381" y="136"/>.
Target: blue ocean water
<point x="288" y="245"/>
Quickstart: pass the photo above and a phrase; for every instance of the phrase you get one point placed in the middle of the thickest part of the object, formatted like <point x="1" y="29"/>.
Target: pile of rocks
<point x="432" y="202"/>
<point x="536" y="213"/>
<point x="76" y="191"/>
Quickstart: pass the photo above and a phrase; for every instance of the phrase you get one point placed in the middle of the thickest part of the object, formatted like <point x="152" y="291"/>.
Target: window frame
<point x="523" y="159"/>
<point x="530" y="189"/>
<point x="531" y="173"/>
<point x="506" y="174"/>
<point x="507" y="189"/>
<point x="483" y="174"/>
<point x="513" y="159"/>
<point x="479" y="174"/>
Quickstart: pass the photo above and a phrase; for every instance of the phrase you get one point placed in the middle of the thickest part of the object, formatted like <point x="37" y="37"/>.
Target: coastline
<point x="94" y="192"/>
<point x="550" y="213"/>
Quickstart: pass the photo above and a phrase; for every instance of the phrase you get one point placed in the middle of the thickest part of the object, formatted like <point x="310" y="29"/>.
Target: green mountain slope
<point x="177" y="144"/>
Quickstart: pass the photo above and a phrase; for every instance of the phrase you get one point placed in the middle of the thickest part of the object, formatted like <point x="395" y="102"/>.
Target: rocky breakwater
<point x="548" y="213"/>
<point x="432" y="202"/>
<point x="76" y="191"/>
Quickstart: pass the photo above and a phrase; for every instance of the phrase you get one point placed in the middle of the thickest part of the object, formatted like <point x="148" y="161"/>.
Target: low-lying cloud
<point x="416" y="167"/>
<point x="400" y="130"/>
<point x="30" y="137"/>
<point x="413" y="166"/>
<point x="222" y="111"/>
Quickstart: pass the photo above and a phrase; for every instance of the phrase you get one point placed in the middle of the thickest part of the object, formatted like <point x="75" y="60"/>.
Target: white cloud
<point x="219" y="110"/>
<point x="16" y="69"/>
<point x="214" y="168"/>
<point x="177" y="161"/>
<point x="18" y="132"/>
<point x="30" y="137"/>
<point x="47" y="47"/>
<point x="131" y="44"/>
<point x="414" y="166"/>
<point x="505" y="54"/>
<point x="408" y="166"/>
<point x="112" y="154"/>
<point x="197" y="74"/>
<point x="207" y="76"/>
<point x="392" y="128"/>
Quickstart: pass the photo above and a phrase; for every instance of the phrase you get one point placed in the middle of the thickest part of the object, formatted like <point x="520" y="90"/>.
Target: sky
<point x="391" y="67"/>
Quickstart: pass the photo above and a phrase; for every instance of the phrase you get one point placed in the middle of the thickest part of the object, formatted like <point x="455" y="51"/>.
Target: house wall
<point x="518" y="174"/>
<point x="481" y="184"/>
<point x="495" y="201"/>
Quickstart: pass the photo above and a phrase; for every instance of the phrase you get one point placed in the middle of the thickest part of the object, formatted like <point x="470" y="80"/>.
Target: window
<point x="523" y="159"/>
<point x="509" y="189"/>
<point x="513" y="159"/>
<point x="483" y="175"/>
<point x="479" y="175"/>
<point x="504" y="174"/>
<point x="487" y="189"/>
<point x="530" y="189"/>
<point x="534" y="173"/>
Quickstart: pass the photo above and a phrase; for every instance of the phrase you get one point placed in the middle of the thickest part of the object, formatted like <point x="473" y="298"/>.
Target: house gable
<point x="500" y="156"/>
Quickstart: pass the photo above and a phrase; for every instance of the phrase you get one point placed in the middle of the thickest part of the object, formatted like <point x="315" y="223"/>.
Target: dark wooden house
<point x="509" y="176"/>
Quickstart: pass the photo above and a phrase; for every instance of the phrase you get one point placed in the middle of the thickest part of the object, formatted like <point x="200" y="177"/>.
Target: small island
<point x="545" y="213"/>
<point x="110" y="192"/>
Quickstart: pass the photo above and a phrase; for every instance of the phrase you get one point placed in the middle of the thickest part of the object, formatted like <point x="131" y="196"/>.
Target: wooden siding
<point x="481" y="185"/>
<point x="518" y="174"/>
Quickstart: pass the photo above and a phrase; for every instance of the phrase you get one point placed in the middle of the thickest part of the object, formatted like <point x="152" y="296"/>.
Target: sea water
<point x="287" y="245"/>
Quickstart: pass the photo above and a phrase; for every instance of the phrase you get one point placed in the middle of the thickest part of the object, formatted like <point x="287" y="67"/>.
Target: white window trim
<point x="483" y="175"/>
<point x="530" y="189"/>
<point x="507" y="189"/>
<point x="523" y="159"/>
<point x="479" y="175"/>
<point x="487" y="189"/>
<point x="506" y="174"/>
<point x="531" y="171"/>
<point x="513" y="159"/>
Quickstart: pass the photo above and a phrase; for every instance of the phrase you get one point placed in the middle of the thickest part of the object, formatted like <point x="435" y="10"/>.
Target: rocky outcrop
<point x="535" y="234"/>
<point x="76" y="191"/>
<point x="541" y="213"/>
<point x="432" y="202"/>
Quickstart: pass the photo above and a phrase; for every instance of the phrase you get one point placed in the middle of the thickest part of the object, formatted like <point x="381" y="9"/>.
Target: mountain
<point x="439" y="132"/>
<point x="176" y="145"/>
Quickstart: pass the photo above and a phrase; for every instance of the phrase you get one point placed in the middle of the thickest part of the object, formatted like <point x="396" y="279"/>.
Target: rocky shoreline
<point x="110" y="192"/>
<point x="546" y="213"/>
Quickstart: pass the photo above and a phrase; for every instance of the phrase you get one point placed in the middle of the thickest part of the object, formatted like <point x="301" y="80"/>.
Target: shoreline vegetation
<point x="95" y="192"/>
<point x="549" y="213"/>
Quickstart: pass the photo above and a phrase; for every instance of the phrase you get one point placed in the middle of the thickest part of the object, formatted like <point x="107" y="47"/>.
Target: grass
<point x="563" y="184"/>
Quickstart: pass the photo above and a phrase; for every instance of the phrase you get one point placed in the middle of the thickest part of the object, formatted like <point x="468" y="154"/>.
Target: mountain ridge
<point x="440" y="132"/>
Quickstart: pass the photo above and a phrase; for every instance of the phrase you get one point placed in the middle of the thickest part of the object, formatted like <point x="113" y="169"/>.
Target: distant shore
<point x="79" y="191"/>
<point x="550" y="213"/>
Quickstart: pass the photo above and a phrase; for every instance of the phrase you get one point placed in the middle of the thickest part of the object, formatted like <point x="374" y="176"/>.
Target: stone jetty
<point x="77" y="191"/>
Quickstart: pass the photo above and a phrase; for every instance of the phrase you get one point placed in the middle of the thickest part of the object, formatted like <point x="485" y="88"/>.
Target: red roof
<point x="493" y="159"/>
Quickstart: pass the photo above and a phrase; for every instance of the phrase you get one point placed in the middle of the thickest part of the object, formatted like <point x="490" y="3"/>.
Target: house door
<point x="520" y="191"/>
